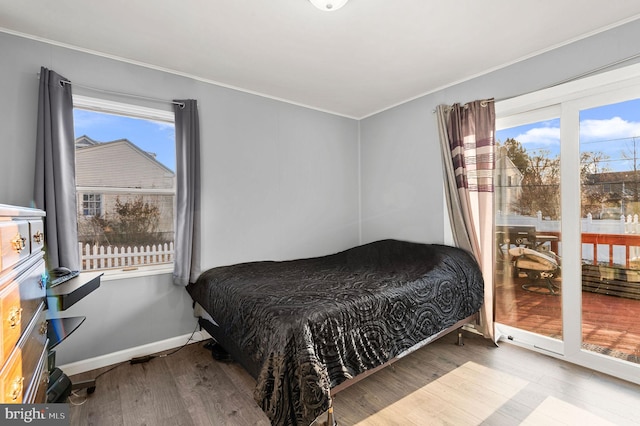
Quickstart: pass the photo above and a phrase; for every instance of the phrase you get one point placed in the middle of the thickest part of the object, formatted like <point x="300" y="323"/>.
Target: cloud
<point x="159" y="125"/>
<point x="540" y="136"/>
<point x="608" y="129"/>
<point x="87" y="119"/>
<point x="592" y="130"/>
<point x="164" y="126"/>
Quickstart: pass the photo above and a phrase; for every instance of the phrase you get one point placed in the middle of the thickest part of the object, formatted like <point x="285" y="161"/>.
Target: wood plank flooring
<point x="439" y="384"/>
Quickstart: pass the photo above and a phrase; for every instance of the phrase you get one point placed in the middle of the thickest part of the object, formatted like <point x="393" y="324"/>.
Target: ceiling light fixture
<point x="329" y="5"/>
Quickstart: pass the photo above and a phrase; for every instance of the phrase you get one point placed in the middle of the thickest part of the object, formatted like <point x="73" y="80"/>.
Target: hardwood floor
<point x="610" y="323"/>
<point x="185" y="388"/>
<point x="439" y="384"/>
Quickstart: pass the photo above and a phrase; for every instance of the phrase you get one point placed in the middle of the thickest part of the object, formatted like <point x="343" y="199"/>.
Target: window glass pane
<point x="527" y="205"/>
<point x="610" y="204"/>
<point x="91" y="204"/>
<point x="125" y="178"/>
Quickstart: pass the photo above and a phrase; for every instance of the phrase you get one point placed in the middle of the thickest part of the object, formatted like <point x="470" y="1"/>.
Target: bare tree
<point x="134" y="222"/>
<point x="632" y="155"/>
<point x="540" y="186"/>
<point x="592" y="195"/>
<point x="540" y="190"/>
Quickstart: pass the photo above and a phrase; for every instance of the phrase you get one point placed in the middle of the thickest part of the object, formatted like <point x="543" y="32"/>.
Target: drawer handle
<point x="38" y="237"/>
<point x="15" y="390"/>
<point x="18" y="242"/>
<point x="15" y="316"/>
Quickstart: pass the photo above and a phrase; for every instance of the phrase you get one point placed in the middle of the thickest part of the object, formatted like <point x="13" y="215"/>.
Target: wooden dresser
<point x="23" y="343"/>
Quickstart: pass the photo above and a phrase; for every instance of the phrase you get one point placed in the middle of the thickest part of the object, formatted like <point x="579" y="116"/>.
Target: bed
<point x="304" y="327"/>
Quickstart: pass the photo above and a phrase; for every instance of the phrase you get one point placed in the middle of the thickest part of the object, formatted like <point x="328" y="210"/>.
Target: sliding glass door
<point x="567" y="227"/>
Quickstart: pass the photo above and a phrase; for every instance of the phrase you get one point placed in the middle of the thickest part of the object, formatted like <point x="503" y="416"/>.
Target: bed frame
<point x="237" y="355"/>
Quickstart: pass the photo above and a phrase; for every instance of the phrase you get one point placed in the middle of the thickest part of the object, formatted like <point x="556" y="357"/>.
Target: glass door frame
<point x="565" y="101"/>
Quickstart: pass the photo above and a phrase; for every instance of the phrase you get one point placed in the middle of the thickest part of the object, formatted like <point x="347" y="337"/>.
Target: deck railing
<point x="111" y="257"/>
<point x="630" y="243"/>
<point x="614" y="242"/>
<point x="619" y="249"/>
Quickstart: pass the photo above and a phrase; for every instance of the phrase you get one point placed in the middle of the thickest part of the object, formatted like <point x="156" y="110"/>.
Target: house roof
<point x="119" y="164"/>
<point x="85" y="141"/>
<point x="614" y="177"/>
<point x="361" y="59"/>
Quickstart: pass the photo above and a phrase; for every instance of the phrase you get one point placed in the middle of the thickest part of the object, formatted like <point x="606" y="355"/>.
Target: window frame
<point x="135" y="111"/>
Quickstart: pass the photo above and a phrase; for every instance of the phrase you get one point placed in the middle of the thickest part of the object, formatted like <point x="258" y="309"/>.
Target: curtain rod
<point x="579" y="76"/>
<point x="111" y="92"/>
<point x="483" y="103"/>
<point x="595" y="70"/>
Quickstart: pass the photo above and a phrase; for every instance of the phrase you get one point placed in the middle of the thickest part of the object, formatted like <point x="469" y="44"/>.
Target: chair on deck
<point x="528" y="254"/>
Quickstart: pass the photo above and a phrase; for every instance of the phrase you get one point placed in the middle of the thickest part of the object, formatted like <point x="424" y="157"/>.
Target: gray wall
<point x="401" y="183"/>
<point x="279" y="181"/>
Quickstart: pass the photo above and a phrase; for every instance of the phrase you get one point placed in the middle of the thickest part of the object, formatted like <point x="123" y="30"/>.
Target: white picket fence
<point x="110" y="257"/>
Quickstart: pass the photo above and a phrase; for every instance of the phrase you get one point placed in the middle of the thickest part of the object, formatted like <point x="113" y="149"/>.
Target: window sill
<point x="142" y="271"/>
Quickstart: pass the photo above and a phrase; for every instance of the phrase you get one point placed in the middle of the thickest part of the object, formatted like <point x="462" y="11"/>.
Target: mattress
<point x="301" y="327"/>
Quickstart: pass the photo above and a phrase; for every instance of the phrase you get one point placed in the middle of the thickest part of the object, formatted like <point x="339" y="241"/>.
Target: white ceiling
<point x="364" y="58"/>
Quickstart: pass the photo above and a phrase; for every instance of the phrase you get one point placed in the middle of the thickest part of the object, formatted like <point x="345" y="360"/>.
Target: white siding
<point x="119" y="165"/>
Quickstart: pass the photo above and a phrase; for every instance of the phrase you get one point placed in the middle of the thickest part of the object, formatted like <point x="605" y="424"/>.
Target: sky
<point x="150" y="136"/>
<point x="613" y="130"/>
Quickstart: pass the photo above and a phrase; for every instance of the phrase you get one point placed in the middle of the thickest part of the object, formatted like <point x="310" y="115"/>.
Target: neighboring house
<point x="619" y="192"/>
<point x="508" y="182"/>
<point x="106" y="171"/>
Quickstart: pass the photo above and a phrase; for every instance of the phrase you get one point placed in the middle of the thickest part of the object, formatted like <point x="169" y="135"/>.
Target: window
<point x="125" y="185"/>
<point x="91" y="204"/>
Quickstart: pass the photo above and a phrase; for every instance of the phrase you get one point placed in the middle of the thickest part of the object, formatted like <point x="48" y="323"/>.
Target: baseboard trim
<point x="126" y="354"/>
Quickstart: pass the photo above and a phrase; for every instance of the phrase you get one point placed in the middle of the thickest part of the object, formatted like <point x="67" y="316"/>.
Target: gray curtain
<point x="187" y="222"/>
<point x="55" y="176"/>
<point x="467" y="138"/>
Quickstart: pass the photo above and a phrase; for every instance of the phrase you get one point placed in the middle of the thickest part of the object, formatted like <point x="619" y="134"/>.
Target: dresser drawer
<point x="15" y="243"/>
<point x="22" y="373"/>
<point x="11" y="316"/>
<point x="33" y="347"/>
<point x="37" y="392"/>
<point x="20" y="298"/>
<point x="32" y="290"/>
<point x="11" y="379"/>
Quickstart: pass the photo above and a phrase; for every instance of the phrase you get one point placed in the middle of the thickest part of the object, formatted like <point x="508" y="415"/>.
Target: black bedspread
<point x="304" y="326"/>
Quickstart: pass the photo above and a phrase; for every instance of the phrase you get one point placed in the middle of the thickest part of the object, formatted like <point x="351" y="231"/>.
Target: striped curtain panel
<point x="467" y="138"/>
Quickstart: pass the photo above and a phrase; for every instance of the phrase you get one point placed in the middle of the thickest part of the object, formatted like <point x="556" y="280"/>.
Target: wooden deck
<point x="610" y="323"/>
